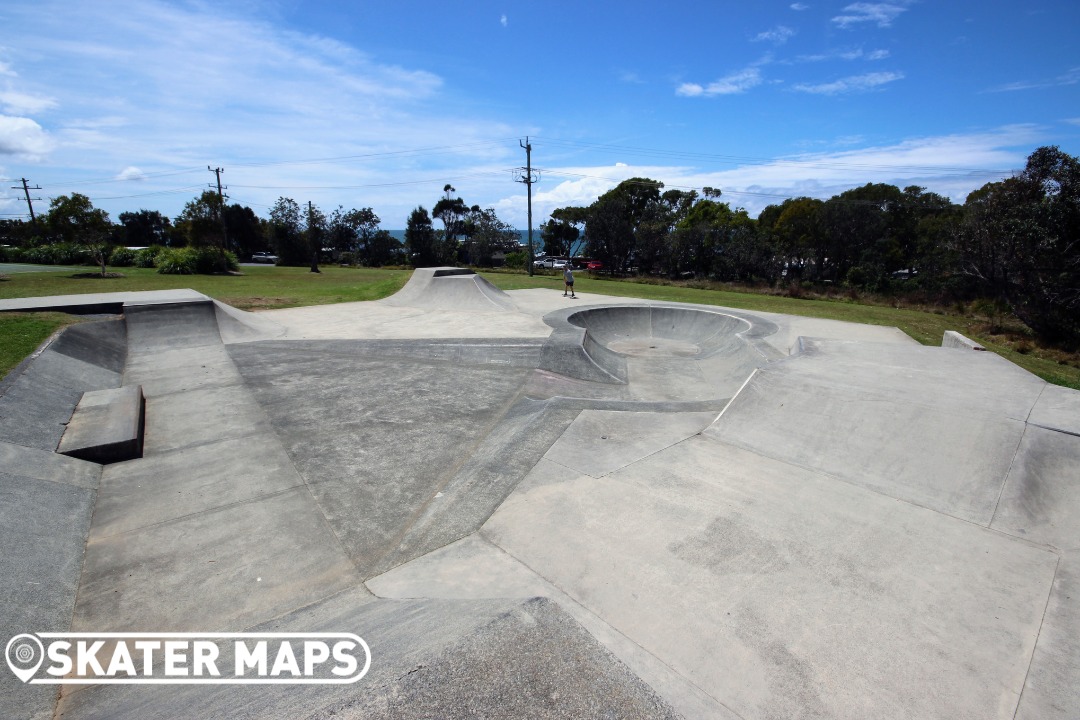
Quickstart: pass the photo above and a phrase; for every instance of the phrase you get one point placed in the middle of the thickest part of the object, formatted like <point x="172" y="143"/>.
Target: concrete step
<point x="107" y="426"/>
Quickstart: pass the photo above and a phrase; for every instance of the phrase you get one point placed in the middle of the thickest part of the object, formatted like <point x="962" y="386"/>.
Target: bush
<point x="145" y="258"/>
<point x="58" y="254"/>
<point x="122" y="257"/>
<point x="516" y="260"/>
<point x="11" y="254"/>
<point x="175" y="261"/>
<point x="193" y="260"/>
<point x="347" y="258"/>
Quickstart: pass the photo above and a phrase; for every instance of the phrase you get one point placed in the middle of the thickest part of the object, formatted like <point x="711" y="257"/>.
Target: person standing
<point x="568" y="276"/>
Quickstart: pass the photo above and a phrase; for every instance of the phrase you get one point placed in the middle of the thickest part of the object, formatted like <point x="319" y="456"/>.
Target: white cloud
<point x="1072" y="121"/>
<point x="880" y="14"/>
<point x="855" y="83"/>
<point x="798" y="7"/>
<point x="1070" y="77"/>
<point x="131" y="173"/>
<point x="778" y="35"/>
<point x="6" y="70"/>
<point x="169" y="88"/>
<point x="951" y="165"/>
<point x="845" y="54"/>
<point x="23" y="136"/>
<point x="733" y="84"/>
<point x="18" y="103"/>
<point x="503" y="21"/>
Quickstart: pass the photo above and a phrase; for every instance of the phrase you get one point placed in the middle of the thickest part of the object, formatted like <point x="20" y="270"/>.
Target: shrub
<point x="193" y="260"/>
<point x="58" y="254"/>
<point x="516" y="260"/>
<point x="11" y="255"/>
<point x="175" y="261"/>
<point x="122" y="257"/>
<point x="145" y="258"/>
<point x="347" y="258"/>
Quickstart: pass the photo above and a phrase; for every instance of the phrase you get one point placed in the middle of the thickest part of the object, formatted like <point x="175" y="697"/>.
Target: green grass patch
<point x="21" y="333"/>
<point x="253" y="288"/>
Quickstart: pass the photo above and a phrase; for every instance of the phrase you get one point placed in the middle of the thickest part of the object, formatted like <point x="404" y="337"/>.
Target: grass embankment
<point x="253" y="288"/>
<point x="270" y="287"/>
<point x="21" y="333"/>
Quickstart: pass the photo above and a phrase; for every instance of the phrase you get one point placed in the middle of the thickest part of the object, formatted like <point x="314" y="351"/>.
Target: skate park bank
<point x="528" y="507"/>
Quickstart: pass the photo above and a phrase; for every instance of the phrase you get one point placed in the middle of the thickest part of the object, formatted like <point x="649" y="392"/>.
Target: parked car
<point x="264" y="258"/>
<point x="550" y="263"/>
<point x="594" y="265"/>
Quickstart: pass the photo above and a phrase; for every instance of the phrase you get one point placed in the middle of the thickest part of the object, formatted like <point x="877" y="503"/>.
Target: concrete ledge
<point x="955" y="340"/>
<point x="107" y="426"/>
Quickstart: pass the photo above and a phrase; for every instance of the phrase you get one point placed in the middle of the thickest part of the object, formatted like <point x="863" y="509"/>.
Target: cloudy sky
<point x="380" y="104"/>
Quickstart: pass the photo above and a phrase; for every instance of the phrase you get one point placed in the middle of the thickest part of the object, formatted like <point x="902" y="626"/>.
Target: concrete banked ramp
<point x="450" y="288"/>
<point x="655" y="511"/>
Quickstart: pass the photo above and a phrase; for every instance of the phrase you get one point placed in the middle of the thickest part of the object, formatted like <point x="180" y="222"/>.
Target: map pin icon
<point x="24" y="655"/>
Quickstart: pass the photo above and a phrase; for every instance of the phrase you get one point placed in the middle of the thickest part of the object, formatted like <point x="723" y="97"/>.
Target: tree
<point x="1020" y="239"/>
<point x="18" y="233"/>
<point x="284" y="232"/>
<point x="244" y="230"/>
<point x="314" y="234"/>
<point x="489" y="235"/>
<point x="612" y="221"/>
<point x="74" y="219"/>
<point x="357" y="231"/>
<point x="800" y="238"/>
<point x="144" y="228"/>
<point x="421" y="242"/>
<point x="567" y="219"/>
<point x="452" y="211"/>
<point x="200" y="220"/>
<point x="559" y="237"/>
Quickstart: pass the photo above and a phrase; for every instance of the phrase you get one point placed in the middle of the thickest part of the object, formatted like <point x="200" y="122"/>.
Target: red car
<point x="594" y="265"/>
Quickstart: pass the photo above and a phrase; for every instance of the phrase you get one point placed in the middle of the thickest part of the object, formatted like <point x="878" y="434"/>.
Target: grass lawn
<point x="277" y="287"/>
<point x="21" y="333"/>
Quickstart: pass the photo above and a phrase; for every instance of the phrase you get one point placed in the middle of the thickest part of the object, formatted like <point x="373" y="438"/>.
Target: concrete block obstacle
<point x="627" y="508"/>
<point x="107" y="426"/>
<point x="955" y="340"/>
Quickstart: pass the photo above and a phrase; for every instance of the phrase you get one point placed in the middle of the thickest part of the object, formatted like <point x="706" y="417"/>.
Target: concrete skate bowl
<point x="660" y="352"/>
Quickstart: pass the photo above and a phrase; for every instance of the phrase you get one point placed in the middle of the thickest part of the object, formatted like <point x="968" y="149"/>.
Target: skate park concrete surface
<point x="536" y="506"/>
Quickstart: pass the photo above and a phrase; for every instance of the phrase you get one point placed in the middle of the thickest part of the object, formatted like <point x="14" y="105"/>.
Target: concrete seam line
<point x="1042" y="391"/>
<point x="1008" y="474"/>
<point x="737" y="393"/>
<point x="1035" y="645"/>
<point x="79" y="588"/>
<point x="584" y="608"/>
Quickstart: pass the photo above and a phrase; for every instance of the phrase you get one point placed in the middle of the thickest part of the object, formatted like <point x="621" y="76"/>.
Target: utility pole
<point x="529" y="179"/>
<point x="221" y="214"/>
<point x="313" y="239"/>
<point x="26" y="191"/>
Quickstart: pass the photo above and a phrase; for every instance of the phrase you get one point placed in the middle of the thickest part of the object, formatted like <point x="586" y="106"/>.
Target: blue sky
<point x="381" y="104"/>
